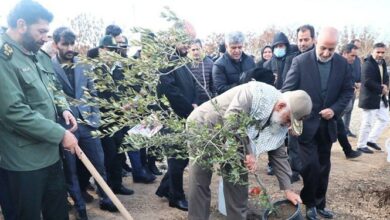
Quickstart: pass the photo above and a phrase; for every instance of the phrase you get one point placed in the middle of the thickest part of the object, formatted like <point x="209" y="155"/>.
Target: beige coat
<point x="235" y="100"/>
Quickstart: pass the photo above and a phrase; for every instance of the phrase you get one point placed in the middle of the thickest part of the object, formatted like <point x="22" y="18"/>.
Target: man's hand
<point x="327" y="113"/>
<point x="292" y="197"/>
<point x="250" y="162"/>
<point x="69" y="141"/>
<point x="385" y="90"/>
<point x="69" y="119"/>
<point x="357" y="85"/>
<point x="292" y="133"/>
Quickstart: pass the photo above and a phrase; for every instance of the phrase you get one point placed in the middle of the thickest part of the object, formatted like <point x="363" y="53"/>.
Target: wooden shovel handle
<point x="87" y="163"/>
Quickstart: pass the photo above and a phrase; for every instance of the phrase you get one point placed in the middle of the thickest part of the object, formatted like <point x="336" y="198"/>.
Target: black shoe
<point x="108" y="206"/>
<point x="365" y="150"/>
<point x="374" y="145"/>
<point x="180" y="204"/>
<point x="295" y="177"/>
<point x="81" y="215"/>
<point x="350" y="134"/>
<point x="353" y="154"/>
<point x="162" y="194"/>
<point x="311" y="213"/>
<point x="325" y="213"/>
<point x="90" y="188"/>
<point x="88" y="198"/>
<point x="270" y="170"/>
<point x="123" y="191"/>
<point x="143" y="177"/>
<point x="153" y="168"/>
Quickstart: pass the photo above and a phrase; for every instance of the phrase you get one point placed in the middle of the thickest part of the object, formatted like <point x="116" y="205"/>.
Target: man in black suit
<point x="305" y="42"/>
<point x="325" y="77"/>
<point x="179" y="87"/>
<point x="73" y="79"/>
<point x="373" y="99"/>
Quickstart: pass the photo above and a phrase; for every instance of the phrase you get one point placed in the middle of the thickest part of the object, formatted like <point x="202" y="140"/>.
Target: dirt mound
<point x="367" y="197"/>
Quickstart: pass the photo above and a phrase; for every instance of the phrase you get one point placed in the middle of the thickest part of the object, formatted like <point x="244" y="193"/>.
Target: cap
<point x="300" y="107"/>
<point x="108" y="41"/>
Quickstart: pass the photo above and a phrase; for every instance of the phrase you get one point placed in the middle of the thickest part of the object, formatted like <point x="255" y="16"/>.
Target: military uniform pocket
<point x="33" y="88"/>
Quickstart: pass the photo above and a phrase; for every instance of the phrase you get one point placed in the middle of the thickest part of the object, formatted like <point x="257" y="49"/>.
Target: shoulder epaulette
<point x="6" y="51"/>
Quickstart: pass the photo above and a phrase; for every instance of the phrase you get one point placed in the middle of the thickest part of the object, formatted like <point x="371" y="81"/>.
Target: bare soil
<point x="358" y="189"/>
<point x="283" y="211"/>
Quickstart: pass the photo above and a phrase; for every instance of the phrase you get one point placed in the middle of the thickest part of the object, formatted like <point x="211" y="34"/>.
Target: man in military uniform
<point x="30" y="107"/>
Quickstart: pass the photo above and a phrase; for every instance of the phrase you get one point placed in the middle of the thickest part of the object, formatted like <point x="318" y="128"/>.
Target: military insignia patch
<point x="6" y="51"/>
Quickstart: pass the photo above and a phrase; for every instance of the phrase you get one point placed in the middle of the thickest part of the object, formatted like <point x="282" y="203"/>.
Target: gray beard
<point x="274" y="127"/>
<point x="324" y="60"/>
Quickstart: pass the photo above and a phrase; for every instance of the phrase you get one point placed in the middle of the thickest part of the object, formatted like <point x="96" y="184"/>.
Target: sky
<point x="221" y="16"/>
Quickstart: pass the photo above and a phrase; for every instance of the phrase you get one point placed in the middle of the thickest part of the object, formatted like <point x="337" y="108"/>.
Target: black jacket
<point x="277" y="64"/>
<point x="93" y="53"/>
<point x="179" y="88"/>
<point x="226" y="71"/>
<point x="371" y="89"/>
<point x="259" y="74"/>
<point x="290" y="58"/>
<point x="304" y="74"/>
<point x="202" y="72"/>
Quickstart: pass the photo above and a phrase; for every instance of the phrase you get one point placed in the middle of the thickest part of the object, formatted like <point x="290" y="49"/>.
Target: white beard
<point x="276" y="117"/>
<point x="325" y="60"/>
<point x="276" y="121"/>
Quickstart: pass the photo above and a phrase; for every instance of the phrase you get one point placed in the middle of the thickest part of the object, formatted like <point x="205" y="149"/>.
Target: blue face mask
<point x="279" y="52"/>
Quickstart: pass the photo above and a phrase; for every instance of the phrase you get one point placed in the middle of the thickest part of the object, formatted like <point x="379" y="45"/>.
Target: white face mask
<point x="279" y="52"/>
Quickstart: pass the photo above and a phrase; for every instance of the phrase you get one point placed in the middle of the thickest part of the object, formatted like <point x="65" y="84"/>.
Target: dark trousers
<point x="39" y="191"/>
<point x="149" y="156"/>
<point x="144" y="156"/>
<point x="315" y="158"/>
<point x="112" y="159"/>
<point x="348" y="112"/>
<point x="293" y="154"/>
<point x="92" y="148"/>
<point x="7" y="208"/>
<point x="135" y="161"/>
<point x="199" y="195"/>
<point x="342" y="136"/>
<point x="172" y="182"/>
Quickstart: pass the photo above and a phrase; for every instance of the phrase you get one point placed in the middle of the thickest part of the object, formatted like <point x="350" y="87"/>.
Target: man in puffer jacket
<point x="228" y="68"/>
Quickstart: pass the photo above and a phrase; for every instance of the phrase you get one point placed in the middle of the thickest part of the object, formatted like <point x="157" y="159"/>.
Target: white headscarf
<point x="272" y="136"/>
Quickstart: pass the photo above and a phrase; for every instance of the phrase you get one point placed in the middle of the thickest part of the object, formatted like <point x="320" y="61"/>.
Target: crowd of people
<point x="301" y="97"/>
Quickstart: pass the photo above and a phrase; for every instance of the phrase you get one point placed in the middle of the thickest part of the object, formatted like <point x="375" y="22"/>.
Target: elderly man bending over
<point x="276" y="114"/>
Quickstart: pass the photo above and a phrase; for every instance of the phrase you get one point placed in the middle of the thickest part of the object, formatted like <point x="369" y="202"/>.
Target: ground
<point x="358" y="189"/>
